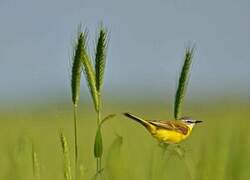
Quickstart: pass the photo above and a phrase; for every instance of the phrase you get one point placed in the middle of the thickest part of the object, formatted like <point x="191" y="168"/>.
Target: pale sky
<point x="146" y="48"/>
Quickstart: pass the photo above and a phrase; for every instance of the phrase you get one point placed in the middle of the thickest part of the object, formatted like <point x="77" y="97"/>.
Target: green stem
<point x="76" y="140"/>
<point x="99" y="111"/>
<point x="99" y="159"/>
<point x="97" y="168"/>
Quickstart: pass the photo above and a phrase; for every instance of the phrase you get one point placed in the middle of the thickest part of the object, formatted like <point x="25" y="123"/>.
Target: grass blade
<point x="98" y="151"/>
<point x="98" y="146"/>
<point x="179" y="96"/>
<point x="100" y="58"/>
<point x="90" y="75"/>
<point x="111" y="116"/>
<point x="116" y="167"/>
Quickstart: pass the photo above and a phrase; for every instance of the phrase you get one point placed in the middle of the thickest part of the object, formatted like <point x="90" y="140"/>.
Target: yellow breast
<point x="169" y="136"/>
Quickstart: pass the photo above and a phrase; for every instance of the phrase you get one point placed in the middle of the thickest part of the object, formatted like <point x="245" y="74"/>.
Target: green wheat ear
<point x="183" y="80"/>
<point x="66" y="158"/>
<point x="90" y="75"/>
<point x="77" y="68"/>
<point x="100" y="57"/>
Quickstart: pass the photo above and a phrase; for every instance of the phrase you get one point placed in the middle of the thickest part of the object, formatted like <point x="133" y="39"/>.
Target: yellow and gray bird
<point x="170" y="132"/>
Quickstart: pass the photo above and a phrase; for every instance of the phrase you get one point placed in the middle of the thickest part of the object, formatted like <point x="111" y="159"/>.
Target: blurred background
<point x="146" y="49"/>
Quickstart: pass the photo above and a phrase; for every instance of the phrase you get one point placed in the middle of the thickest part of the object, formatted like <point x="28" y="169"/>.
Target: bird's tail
<point x="139" y="120"/>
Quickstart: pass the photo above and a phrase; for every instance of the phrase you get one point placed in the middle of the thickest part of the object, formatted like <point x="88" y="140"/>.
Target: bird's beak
<point x="198" y="122"/>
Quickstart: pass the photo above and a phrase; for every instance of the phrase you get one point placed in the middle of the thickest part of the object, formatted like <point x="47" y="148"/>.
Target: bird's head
<point x="189" y="122"/>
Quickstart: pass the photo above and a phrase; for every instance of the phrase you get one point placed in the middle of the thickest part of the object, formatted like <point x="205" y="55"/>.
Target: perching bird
<point x="170" y="132"/>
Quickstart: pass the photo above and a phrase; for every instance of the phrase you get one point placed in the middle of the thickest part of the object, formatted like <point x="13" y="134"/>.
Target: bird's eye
<point x="189" y="121"/>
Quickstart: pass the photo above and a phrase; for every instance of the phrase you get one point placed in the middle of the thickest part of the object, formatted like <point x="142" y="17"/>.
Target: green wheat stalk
<point x="66" y="157"/>
<point x="183" y="80"/>
<point x="75" y="86"/>
<point x="100" y="62"/>
<point x="95" y="79"/>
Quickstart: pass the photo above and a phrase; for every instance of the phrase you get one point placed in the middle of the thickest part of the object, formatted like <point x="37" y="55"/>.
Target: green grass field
<point x="217" y="149"/>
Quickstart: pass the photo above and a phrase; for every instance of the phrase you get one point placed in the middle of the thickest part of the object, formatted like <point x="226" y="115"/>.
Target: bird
<point x="167" y="131"/>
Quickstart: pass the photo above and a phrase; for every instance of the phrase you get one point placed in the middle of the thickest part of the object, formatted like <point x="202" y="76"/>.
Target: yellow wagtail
<point x="170" y="132"/>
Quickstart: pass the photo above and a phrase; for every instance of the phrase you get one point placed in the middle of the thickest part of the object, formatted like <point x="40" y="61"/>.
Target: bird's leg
<point x="163" y="145"/>
<point x="180" y="151"/>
